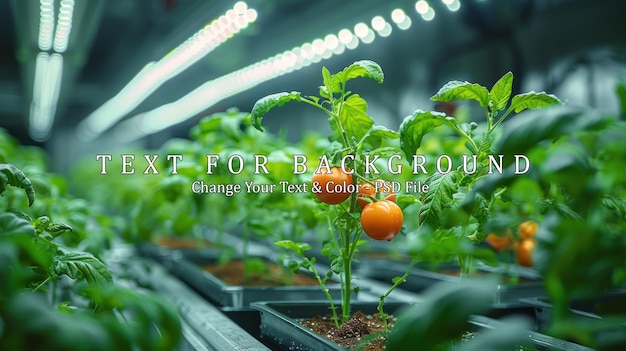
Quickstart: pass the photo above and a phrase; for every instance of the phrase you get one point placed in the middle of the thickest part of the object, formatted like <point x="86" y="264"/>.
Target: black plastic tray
<point x="279" y="323"/>
<point x="221" y="294"/>
<point x="421" y="278"/>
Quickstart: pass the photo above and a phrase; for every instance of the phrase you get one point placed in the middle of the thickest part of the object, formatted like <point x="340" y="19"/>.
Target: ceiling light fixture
<point x="49" y="67"/>
<point x="154" y="74"/>
<point x="238" y="81"/>
<point x="47" y="85"/>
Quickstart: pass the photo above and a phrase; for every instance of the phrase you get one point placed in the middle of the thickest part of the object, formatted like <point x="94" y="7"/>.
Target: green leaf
<point x="81" y="265"/>
<point x="354" y="118"/>
<point x="532" y="100"/>
<point x="521" y="134"/>
<point x="439" y="197"/>
<point x="418" y="124"/>
<point x="11" y="224"/>
<point x="456" y="90"/>
<point x="11" y="175"/>
<point x="298" y="248"/>
<point x="374" y="137"/>
<point x="363" y="68"/>
<point x="327" y="81"/>
<point x="397" y="280"/>
<point x="621" y="95"/>
<point x="265" y="104"/>
<point x="501" y="93"/>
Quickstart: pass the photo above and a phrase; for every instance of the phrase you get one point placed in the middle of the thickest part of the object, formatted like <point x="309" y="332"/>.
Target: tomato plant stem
<point x="396" y="282"/>
<point x="42" y="283"/>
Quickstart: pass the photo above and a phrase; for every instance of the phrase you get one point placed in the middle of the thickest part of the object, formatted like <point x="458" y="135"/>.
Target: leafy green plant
<point x="58" y="297"/>
<point x="354" y="139"/>
<point x="441" y="211"/>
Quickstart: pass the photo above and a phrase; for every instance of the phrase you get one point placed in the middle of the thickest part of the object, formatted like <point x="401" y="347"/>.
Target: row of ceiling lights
<point x="53" y="36"/>
<point x="236" y="82"/>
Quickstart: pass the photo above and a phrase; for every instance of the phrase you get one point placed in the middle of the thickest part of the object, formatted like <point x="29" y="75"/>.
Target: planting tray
<point x="220" y="293"/>
<point x="280" y="324"/>
<point x="591" y="311"/>
<point x="420" y="278"/>
<point x="249" y="319"/>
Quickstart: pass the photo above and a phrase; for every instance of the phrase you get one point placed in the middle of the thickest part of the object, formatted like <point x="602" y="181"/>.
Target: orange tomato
<point x="334" y="186"/>
<point x="528" y="229"/>
<point x="382" y="220"/>
<point x="524" y="251"/>
<point x="500" y="243"/>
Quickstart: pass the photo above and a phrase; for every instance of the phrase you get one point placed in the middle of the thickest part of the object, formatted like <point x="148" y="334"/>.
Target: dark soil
<point x="232" y="273"/>
<point x="171" y="242"/>
<point x="350" y="334"/>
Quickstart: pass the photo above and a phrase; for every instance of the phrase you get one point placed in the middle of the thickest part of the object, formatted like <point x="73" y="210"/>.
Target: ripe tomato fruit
<point x="523" y="251"/>
<point x="501" y="243"/>
<point x="382" y="220"/>
<point x="528" y="229"/>
<point x="368" y="191"/>
<point x="334" y="186"/>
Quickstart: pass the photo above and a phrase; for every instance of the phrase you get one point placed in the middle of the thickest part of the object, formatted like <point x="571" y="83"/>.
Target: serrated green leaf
<point x="363" y="68"/>
<point x="501" y="93"/>
<point x="41" y="224"/>
<point x="442" y="188"/>
<point x="327" y="78"/>
<point x="265" y="104"/>
<point x="354" y="118"/>
<point x="11" y="175"/>
<point x="533" y="100"/>
<point x="57" y="229"/>
<point x="418" y="124"/>
<point x="376" y="134"/>
<point x="456" y="90"/>
<point x="81" y="265"/>
<point x="336" y="265"/>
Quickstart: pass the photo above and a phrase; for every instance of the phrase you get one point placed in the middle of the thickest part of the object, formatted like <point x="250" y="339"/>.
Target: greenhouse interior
<point x="267" y="175"/>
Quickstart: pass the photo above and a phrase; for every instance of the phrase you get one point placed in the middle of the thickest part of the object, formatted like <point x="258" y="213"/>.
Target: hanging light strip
<point x="48" y="74"/>
<point x="46" y="24"/>
<point x="49" y="67"/>
<point x="233" y="83"/>
<point x="154" y="74"/>
<point x="64" y="25"/>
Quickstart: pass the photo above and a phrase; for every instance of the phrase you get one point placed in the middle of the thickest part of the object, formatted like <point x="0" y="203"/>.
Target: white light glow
<point x="378" y="23"/>
<point x="429" y="15"/>
<point x="345" y="36"/>
<point x="386" y="31"/>
<point x="46" y="24"/>
<point x="48" y="75"/>
<point x="361" y="30"/>
<point x="422" y="7"/>
<point x="332" y="42"/>
<point x="398" y="16"/>
<point x="64" y="26"/>
<point x="155" y="74"/>
<point x="369" y="37"/>
<point x="453" y="5"/>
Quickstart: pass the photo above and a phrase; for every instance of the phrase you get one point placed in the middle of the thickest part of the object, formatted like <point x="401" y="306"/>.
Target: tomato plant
<point x="354" y="139"/>
<point x="35" y="255"/>
<point x="382" y="220"/>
